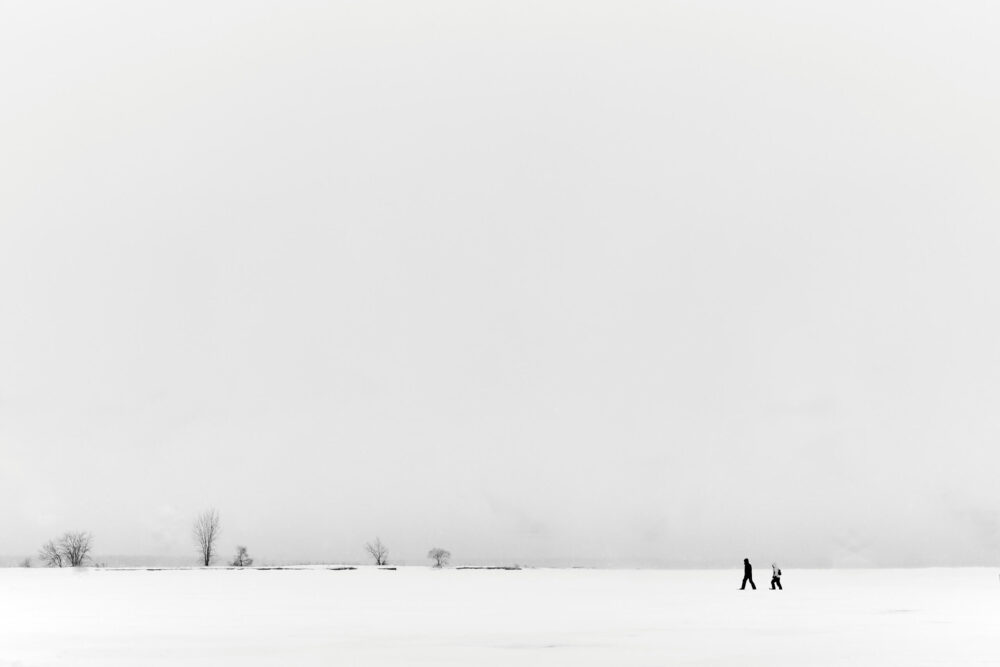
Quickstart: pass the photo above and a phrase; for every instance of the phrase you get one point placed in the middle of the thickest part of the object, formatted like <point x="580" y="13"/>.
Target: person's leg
<point x="744" y="582"/>
<point x="753" y="585"/>
<point x="777" y="580"/>
<point x="773" y="579"/>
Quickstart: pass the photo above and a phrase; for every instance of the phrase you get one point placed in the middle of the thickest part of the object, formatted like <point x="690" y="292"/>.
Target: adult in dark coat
<point x="747" y="574"/>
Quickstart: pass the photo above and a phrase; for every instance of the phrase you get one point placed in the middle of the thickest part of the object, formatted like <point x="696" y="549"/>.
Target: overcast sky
<point x="623" y="283"/>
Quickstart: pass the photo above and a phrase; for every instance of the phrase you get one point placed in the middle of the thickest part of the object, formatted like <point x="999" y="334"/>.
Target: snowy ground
<point x="419" y="616"/>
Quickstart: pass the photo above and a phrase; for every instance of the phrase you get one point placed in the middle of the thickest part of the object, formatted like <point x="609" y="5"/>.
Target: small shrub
<point x="242" y="558"/>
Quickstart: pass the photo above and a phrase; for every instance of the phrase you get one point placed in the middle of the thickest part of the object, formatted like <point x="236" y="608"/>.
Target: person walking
<point x="747" y="574"/>
<point x="775" y="577"/>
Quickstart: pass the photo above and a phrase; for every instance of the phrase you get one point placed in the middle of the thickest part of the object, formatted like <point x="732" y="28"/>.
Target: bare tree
<point x="49" y="555"/>
<point x="26" y="562"/>
<point x="206" y="533"/>
<point x="242" y="558"/>
<point x="440" y="556"/>
<point x="75" y="548"/>
<point x="377" y="551"/>
<point x="72" y="550"/>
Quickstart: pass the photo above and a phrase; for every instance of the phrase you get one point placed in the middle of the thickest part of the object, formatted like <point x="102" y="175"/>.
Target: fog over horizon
<point x="541" y="282"/>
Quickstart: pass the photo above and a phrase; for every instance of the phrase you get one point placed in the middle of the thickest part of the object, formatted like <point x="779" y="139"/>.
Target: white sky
<point x="569" y="282"/>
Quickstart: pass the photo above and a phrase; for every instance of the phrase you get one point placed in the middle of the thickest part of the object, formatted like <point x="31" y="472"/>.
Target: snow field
<point x="422" y="616"/>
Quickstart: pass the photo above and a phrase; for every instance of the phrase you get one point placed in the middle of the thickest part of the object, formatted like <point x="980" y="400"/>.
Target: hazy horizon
<point x="536" y="282"/>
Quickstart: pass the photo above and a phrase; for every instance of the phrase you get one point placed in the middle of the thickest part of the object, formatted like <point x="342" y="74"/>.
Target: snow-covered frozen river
<point x="420" y="616"/>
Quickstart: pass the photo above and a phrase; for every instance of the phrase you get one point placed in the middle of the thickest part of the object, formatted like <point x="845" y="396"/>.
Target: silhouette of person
<point x="775" y="577"/>
<point x="747" y="574"/>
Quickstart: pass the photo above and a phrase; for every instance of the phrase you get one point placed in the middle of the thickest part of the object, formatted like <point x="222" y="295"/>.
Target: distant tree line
<point x="74" y="547"/>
